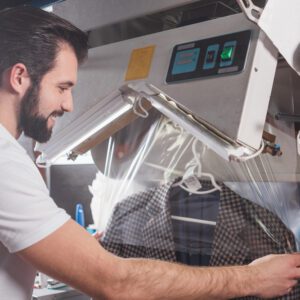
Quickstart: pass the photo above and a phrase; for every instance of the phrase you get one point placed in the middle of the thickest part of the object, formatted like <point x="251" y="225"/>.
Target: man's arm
<point x="71" y="255"/>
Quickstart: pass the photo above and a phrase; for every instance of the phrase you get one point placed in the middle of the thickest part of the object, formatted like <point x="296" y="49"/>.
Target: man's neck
<point x="9" y="113"/>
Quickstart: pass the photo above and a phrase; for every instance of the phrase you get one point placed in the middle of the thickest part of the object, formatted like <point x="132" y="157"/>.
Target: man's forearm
<point x="148" y="279"/>
<point x="102" y="275"/>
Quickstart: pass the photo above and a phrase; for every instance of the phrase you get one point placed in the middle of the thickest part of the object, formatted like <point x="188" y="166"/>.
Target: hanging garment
<point x="246" y="231"/>
<point x="193" y="241"/>
<point x="141" y="226"/>
<point x="249" y="229"/>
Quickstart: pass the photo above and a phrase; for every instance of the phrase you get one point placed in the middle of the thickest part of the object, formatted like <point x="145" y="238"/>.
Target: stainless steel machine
<point x="219" y="72"/>
<point x="223" y="80"/>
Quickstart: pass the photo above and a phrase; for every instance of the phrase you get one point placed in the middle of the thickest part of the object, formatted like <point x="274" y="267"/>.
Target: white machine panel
<point x="233" y="103"/>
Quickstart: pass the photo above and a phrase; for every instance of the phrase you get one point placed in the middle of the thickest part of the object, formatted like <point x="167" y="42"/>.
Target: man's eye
<point x="62" y="89"/>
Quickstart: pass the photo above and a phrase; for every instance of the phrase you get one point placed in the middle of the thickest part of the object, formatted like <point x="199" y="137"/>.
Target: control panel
<point x="215" y="56"/>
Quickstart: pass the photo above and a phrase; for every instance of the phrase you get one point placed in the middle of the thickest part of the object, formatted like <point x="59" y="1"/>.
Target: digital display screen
<point x="186" y="61"/>
<point x="215" y="56"/>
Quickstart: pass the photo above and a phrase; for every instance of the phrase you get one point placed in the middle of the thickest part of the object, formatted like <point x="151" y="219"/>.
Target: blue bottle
<point x="79" y="214"/>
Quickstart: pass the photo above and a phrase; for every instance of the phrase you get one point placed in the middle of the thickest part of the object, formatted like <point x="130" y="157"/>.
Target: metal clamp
<point x="252" y="11"/>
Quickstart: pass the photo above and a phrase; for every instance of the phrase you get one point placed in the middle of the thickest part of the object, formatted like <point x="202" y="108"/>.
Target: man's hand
<point x="276" y="274"/>
<point x="97" y="235"/>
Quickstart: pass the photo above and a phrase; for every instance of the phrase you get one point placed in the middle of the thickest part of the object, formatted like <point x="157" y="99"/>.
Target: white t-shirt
<point x="27" y="215"/>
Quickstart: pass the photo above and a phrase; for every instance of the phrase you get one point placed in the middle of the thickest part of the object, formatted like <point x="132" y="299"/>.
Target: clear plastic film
<point x="162" y="194"/>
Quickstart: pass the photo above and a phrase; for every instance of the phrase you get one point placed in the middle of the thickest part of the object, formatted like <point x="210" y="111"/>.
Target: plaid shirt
<point x="141" y="227"/>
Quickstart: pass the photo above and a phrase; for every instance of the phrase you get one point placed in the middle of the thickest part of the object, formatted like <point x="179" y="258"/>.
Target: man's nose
<point x="67" y="104"/>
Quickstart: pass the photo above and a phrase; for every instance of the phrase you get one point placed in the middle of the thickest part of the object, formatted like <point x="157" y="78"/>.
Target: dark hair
<point x="32" y="36"/>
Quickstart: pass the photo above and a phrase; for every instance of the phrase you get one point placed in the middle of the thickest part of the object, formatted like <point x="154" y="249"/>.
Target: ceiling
<point x="12" y="3"/>
<point x="41" y="3"/>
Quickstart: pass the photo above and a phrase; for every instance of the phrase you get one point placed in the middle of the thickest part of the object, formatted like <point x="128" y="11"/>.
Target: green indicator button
<point x="227" y="53"/>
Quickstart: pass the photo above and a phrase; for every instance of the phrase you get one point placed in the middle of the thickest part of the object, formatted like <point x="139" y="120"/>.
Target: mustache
<point x="58" y="113"/>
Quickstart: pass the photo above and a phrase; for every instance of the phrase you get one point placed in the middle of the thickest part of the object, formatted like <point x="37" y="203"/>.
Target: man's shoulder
<point x="13" y="152"/>
<point x="16" y="164"/>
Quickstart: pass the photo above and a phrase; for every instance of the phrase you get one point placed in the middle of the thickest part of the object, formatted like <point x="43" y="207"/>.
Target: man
<point x="39" y="55"/>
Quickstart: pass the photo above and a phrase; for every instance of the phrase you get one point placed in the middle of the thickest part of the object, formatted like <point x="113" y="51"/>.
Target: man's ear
<point x="19" y="79"/>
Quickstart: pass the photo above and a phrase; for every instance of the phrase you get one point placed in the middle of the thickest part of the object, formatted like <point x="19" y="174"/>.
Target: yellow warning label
<point x="140" y="63"/>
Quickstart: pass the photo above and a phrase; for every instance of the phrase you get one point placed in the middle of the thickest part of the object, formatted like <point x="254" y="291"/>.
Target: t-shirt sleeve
<point x="27" y="212"/>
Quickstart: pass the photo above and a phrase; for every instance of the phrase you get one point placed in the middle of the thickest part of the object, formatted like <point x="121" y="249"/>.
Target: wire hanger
<point x="194" y="173"/>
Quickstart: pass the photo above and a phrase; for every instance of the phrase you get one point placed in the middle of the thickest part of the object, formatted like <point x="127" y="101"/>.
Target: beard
<point x="33" y="124"/>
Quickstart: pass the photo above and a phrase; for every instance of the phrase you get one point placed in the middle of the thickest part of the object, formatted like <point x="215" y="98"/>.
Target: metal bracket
<point x="251" y="11"/>
<point x="288" y="117"/>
